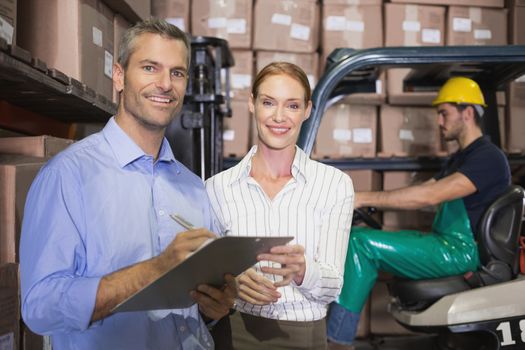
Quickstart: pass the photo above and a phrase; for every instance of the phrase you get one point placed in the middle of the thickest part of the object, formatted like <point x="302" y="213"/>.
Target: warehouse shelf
<point x="389" y="164"/>
<point x="28" y="83"/>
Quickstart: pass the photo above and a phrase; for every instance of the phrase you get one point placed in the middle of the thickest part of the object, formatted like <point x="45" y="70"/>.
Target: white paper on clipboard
<point x="230" y="254"/>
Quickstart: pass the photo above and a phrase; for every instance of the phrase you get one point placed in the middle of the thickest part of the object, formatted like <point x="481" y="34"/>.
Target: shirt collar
<point x="126" y="150"/>
<point x="298" y="165"/>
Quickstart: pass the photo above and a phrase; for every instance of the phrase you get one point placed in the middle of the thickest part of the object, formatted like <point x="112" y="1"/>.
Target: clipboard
<point x="208" y="265"/>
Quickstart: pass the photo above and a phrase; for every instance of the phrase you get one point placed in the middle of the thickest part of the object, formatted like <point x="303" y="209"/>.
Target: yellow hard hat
<point x="460" y="90"/>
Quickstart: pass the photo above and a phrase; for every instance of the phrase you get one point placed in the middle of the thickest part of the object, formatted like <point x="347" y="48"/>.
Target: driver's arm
<point x="431" y="192"/>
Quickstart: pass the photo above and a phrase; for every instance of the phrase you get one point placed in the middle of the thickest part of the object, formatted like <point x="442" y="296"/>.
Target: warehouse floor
<point x="427" y="342"/>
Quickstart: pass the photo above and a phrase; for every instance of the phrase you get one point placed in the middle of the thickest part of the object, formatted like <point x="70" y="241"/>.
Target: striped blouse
<point x="315" y="207"/>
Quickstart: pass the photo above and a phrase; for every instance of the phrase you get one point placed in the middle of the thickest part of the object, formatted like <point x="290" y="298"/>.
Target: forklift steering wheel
<point x="365" y="216"/>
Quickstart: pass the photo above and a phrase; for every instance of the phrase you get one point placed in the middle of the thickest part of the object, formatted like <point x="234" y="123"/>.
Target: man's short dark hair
<point x="477" y="115"/>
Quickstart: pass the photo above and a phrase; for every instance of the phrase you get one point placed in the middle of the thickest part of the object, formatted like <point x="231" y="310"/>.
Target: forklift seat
<point x="498" y="246"/>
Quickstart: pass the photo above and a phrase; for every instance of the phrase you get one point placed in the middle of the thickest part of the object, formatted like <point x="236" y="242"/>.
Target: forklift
<point x="458" y="315"/>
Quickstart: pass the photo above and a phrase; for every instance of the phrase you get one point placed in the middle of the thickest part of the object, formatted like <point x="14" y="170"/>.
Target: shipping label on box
<point x="229" y="20"/>
<point x="414" y="25"/>
<point x="347" y="131"/>
<point x="476" y="26"/>
<point x="241" y="75"/>
<point x="409" y="131"/>
<point x="295" y="21"/>
<point x="176" y="12"/>
<point x="351" y="26"/>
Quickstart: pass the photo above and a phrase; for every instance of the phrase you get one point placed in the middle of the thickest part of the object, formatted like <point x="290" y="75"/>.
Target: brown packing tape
<point x="355" y="32"/>
<point x="475" y="14"/>
<point x="410" y="24"/>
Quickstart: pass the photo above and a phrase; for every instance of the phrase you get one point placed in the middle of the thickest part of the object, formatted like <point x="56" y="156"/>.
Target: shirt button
<point x="182" y="328"/>
<point x="161" y="212"/>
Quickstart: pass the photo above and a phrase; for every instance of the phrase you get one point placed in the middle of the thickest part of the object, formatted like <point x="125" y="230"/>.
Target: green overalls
<point x="450" y="249"/>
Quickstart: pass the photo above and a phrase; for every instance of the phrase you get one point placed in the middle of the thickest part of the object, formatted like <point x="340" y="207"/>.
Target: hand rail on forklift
<point x="350" y="71"/>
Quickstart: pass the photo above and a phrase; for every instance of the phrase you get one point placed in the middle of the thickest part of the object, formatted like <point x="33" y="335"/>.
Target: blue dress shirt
<point x="99" y="206"/>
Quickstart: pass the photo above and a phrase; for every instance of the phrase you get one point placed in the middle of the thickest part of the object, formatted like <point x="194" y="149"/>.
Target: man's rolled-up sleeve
<point x="57" y="294"/>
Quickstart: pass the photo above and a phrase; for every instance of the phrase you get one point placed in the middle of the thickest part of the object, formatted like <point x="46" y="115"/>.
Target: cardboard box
<point x="241" y="75"/>
<point x="398" y="179"/>
<point x="9" y="307"/>
<point x="133" y="10"/>
<point x="308" y="62"/>
<point x="420" y="220"/>
<point x="381" y="321"/>
<point x="36" y="146"/>
<point x="365" y="180"/>
<point x="483" y="3"/>
<point x="394" y="220"/>
<point x="236" y="132"/>
<point x="78" y="131"/>
<point x="352" y="26"/>
<point x="176" y="12"/>
<point x="398" y="96"/>
<point x="73" y="36"/>
<point x="515" y="120"/>
<point x="347" y="131"/>
<point x="16" y="175"/>
<point x="414" y="25"/>
<point x="291" y="25"/>
<point x="8" y="21"/>
<point x="120" y="25"/>
<point x="476" y="26"/>
<point x="409" y="131"/>
<point x="517" y="22"/>
<point x="230" y="20"/>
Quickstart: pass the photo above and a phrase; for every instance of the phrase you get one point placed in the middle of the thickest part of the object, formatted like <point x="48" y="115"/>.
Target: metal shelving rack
<point x="28" y="83"/>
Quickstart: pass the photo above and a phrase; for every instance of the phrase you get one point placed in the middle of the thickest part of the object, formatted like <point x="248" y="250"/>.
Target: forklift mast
<point x="196" y="135"/>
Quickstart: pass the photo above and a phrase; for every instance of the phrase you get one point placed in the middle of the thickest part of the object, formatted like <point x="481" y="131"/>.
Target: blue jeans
<point x="341" y="324"/>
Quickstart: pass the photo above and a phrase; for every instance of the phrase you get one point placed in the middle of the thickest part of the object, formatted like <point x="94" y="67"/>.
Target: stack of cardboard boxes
<point x="20" y="160"/>
<point x="77" y="38"/>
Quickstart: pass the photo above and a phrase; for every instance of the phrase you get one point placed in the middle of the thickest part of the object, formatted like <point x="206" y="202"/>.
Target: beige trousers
<point x="247" y="332"/>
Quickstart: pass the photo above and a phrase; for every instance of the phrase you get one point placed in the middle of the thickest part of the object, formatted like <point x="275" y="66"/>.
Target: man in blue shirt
<point x="97" y="224"/>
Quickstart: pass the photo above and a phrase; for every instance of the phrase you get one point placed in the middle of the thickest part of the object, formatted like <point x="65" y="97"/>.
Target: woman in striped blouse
<point x="276" y="190"/>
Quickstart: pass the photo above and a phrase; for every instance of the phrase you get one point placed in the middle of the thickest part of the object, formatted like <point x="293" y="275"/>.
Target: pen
<point x="182" y="222"/>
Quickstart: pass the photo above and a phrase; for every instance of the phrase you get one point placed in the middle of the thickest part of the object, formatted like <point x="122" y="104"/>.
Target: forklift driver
<point x="469" y="182"/>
